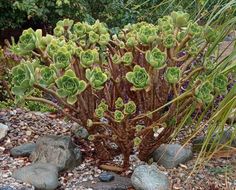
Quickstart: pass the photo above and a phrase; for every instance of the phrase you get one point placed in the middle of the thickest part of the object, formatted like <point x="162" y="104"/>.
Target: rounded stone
<point x="147" y="177"/>
<point x="171" y="155"/>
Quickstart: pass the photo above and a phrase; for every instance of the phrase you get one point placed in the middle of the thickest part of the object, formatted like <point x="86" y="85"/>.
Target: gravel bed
<point x="26" y="126"/>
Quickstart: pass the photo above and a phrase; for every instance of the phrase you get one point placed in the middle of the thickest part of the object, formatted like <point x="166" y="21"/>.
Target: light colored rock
<point x="3" y="130"/>
<point x="23" y="150"/>
<point x="171" y="155"/>
<point x="147" y="177"/>
<point x="42" y="176"/>
<point x="57" y="150"/>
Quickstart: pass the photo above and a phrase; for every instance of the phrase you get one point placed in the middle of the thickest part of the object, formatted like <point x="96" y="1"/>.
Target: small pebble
<point x="106" y="177"/>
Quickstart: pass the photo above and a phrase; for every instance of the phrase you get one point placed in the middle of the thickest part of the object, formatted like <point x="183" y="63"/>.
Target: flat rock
<point x="57" y="150"/>
<point x="41" y="175"/>
<point x="23" y="150"/>
<point x="148" y="177"/>
<point x="3" y="130"/>
<point x="171" y="155"/>
<point x="119" y="183"/>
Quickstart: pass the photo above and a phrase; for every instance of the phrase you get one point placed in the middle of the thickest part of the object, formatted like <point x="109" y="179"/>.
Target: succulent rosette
<point x="69" y="86"/>
<point x="167" y="28"/>
<point x="156" y="58"/>
<point x="194" y="29"/>
<point x="58" y="31"/>
<point x="93" y="37"/>
<point x="138" y="77"/>
<point x="99" y="28"/>
<point x="79" y="29"/>
<point x="54" y="46"/>
<point x="44" y="41"/>
<point x="131" y="41"/>
<point x="96" y="77"/>
<point x="210" y="34"/>
<point x="169" y="41"/>
<point x="193" y="49"/>
<point x="66" y="23"/>
<point x="104" y="39"/>
<point x="103" y="105"/>
<point x="180" y="18"/>
<point x="119" y="103"/>
<point x="127" y="58"/>
<point x="23" y="78"/>
<point x="88" y="57"/>
<point x="62" y="58"/>
<point x="220" y="83"/>
<point x="203" y="92"/>
<point x="129" y="108"/>
<point x="27" y="41"/>
<point x="172" y="74"/>
<point x="47" y="76"/>
<point x="116" y="59"/>
<point x="147" y="34"/>
<point x="139" y="127"/>
<point x="99" y="112"/>
<point x="118" y="116"/>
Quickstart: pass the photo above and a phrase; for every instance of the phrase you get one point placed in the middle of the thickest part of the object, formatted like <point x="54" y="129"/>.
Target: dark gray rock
<point x="41" y="175"/>
<point x="57" y="150"/>
<point x="80" y="131"/>
<point x="106" y="177"/>
<point x="147" y="177"/>
<point x="171" y="155"/>
<point x="3" y="130"/>
<point x="119" y="183"/>
<point x="23" y="150"/>
<point x="221" y="138"/>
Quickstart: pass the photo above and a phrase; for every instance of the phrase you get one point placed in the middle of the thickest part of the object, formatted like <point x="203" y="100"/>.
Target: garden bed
<point x="26" y="126"/>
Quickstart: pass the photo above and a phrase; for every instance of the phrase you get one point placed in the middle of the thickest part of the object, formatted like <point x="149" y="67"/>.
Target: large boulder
<point x="3" y="131"/>
<point x="147" y="177"/>
<point x="23" y="150"/>
<point x="57" y="150"/>
<point x="41" y="175"/>
<point x="171" y="155"/>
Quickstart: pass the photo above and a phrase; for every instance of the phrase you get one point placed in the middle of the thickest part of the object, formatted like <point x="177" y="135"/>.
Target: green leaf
<point x="71" y="99"/>
<point x="19" y="91"/>
<point x="62" y="93"/>
<point x="70" y="73"/>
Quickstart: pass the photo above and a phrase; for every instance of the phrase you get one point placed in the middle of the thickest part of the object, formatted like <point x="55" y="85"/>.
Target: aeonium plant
<point x="131" y="89"/>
